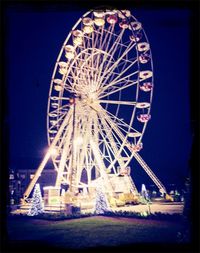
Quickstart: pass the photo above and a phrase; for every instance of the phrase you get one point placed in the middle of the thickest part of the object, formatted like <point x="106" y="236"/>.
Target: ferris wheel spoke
<point x="113" y="125"/>
<point x="120" y="81"/>
<point x="107" y="71"/>
<point x="117" y="156"/>
<point x="121" y="123"/>
<point x="64" y="156"/>
<point x="115" y="80"/>
<point x="116" y="102"/>
<point x="109" y="156"/>
<point x="111" y="50"/>
<point x="98" y="34"/>
<point x="104" y="94"/>
<point x="83" y="150"/>
<point x="113" y="139"/>
<point x="107" y="38"/>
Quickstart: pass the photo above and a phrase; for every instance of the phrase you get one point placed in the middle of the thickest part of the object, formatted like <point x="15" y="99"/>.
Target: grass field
<point x="91" y="232"/>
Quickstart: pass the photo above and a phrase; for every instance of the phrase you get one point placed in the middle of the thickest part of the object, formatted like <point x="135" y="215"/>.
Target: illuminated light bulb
<point x="99" y="21"/>
<point x="88" y="29"/>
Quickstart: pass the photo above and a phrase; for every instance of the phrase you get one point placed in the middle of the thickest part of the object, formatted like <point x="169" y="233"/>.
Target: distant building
<point x="20" y="179"/>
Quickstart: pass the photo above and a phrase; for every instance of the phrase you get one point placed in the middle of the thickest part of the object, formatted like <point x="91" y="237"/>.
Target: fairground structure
<point x="98" y="109"/>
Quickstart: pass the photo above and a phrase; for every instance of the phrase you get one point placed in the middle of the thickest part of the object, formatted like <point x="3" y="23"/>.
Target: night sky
<point x="33" y="41"/>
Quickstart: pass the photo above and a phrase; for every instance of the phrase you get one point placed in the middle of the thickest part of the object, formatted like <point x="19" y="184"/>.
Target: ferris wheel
<point x="99" y="100"/>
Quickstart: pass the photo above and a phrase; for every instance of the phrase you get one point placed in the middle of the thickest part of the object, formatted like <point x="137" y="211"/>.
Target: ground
<point x="90" y="232"/>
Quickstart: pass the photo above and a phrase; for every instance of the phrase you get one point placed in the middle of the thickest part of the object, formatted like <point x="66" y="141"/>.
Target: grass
<point x="91" y="232"/>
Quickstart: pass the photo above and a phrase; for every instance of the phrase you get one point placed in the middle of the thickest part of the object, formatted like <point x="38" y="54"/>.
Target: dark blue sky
<point x="33" y="41"/>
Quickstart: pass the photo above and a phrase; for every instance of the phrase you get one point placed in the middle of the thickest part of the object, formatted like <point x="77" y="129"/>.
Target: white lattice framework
<point x="99" y="100"/>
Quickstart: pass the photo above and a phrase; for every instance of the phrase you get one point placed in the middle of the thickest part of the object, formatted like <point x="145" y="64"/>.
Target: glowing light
<point x="54" y="152"/>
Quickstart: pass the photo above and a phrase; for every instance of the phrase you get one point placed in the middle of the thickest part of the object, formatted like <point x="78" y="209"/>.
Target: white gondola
<point x="53" y="115"/>
<point x="124" y="13"/>
<point x="54" y="98"/>
<point x="135" y="26"/>
<point x="144" y="58"/>
<point x="148" y="86"/>
<point x="69" y="52"/>
<point x="111" y="12"/>
<point x="137" y="37"/>
<point x="52" y="131"/>
<point x="99" y="14"/>
<point x="143" y="118"/>
<point x="145" y="74"/>
<point x="58" y="88"/>
<point x="77" y="37"/>
<point x="58" y="81"/>
<point x="77" y="33"/>
<point x="123" y="24"/>
<point x="137" y="147"/>
<point x="53" y="122"/>
<point x="143" y="105"/>
<point x="88" y="29"/>
<point x="87" y="21"/>
<point x="143" y="46"/>
<point x="54" y="105"/>
<point x="112" y="19"/>
<point x="134" y="134"/>
<point x="99" y="21"/>
<point x="63" y="67"/>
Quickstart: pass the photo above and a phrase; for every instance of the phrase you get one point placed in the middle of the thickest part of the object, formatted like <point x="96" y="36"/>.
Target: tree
<point x="101" y="205"/>
<point x="37" y="203"/>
